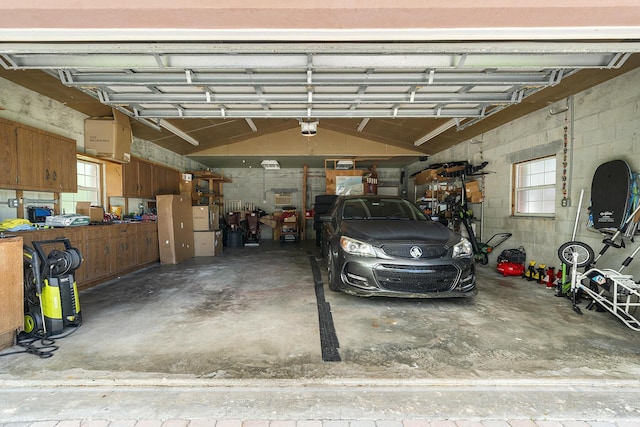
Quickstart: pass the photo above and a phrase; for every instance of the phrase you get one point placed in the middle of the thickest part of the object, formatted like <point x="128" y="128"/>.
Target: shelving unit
<point x="206" y="188"/>
<point x="431" y="196"/>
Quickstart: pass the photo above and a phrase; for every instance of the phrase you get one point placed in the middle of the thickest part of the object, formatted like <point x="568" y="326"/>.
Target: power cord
<point x="37" y="344"/>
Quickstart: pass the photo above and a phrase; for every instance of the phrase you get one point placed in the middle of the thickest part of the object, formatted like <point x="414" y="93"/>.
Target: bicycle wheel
<point x="584" y="251"/>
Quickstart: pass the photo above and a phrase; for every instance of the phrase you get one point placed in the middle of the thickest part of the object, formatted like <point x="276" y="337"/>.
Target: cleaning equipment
<point x="51" y="295"/>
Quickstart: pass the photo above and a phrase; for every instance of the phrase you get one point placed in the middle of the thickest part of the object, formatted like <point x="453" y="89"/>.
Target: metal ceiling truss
<point x="152" y="81"/>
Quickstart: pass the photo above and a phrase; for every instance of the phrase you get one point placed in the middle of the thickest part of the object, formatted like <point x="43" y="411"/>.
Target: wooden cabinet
<point x="96" y="253"/>
<point x="39" y="160"/>
<point x="108" y="251"/>
<point x="11" y="290"/>
<point x="148" y="250"/>
<point x="9" y="154"/>
<point x="141" y="179"/>
<point x="123" y="253"/>
<point x="137" y="179"/>
<point x="165" y="180"/>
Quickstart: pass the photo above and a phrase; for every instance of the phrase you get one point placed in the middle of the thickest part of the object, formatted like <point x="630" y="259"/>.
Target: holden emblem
<point x="415" y="252"/>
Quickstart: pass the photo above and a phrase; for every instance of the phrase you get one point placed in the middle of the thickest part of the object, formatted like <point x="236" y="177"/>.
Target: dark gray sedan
<point x="386" y="246"/>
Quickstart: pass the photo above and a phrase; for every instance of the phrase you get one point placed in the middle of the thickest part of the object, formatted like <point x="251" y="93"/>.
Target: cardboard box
<point x="175" y="228"/>
<point x="292" y="218"/>
<point x="475" y="197"/>
<point x="95" y="213"/>
<point x="108" y="137"/>
<point x="205" y="217"/>
<point x="427" y="176"/>
<point x="472" y="186"/>
<point x="207" y="243"/>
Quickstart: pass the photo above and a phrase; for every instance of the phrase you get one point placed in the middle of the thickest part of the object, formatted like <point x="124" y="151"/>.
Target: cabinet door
<point x="159" y="180"/>
<point x="144" y="180"/>
<point x="123" y="250"/>
<point x="173" y="182"/>
<point x="32" y="169"/>
<point x="63" y="164"/>
<point x="9" y="154"/>
<point x="96" y="254"/>
<point x="45" y="161"/>
<point x="148" y="250"/>
<point x="130" y="178"/>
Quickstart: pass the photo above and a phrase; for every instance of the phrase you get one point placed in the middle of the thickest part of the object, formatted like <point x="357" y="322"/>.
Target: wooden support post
<point x="304" y="202"/>
<point x="20" y="208"/>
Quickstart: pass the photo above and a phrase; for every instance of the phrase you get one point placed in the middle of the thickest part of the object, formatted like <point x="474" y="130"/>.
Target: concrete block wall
<point x="257" y="187"/>
<point x="606" y="126"/>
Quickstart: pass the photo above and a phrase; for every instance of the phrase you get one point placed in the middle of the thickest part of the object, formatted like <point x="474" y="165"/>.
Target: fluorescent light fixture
<point x="270" y="164"/>
<point x="437" y="131"/>
<point x="344" y="164"/>
<point x="179" y="133"/>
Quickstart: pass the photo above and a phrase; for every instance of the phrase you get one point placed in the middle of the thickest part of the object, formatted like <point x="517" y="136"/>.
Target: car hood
<point x="379" y="232"/>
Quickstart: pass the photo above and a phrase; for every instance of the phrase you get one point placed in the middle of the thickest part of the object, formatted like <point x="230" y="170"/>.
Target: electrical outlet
<point x="566" y="202"/>
<point x="13" y="203"/>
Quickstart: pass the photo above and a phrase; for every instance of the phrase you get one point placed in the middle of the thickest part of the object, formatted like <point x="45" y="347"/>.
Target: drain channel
<point x="328" y="337"/>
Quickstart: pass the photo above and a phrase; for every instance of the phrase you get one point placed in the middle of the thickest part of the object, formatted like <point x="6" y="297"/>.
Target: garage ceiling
<point x="425" y="96"/>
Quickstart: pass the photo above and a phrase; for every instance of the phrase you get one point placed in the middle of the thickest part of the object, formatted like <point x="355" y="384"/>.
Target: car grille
<point x="404" y="251"/>
<point x="422" y="279"/>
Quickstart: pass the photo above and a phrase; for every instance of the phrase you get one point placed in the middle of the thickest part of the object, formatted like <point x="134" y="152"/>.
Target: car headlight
<point x="462" y="249"/>
<point x="356" y="247"/>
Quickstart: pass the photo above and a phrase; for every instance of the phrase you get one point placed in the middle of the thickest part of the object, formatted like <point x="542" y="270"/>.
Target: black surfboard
<point x="610" y="189"/>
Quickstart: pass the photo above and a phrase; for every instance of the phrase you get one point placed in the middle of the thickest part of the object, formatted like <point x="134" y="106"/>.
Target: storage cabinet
<point x="96" y="253"/>
<point x="123" y="252"/>
<point x="108" y="251"/>
<point x="137" y="179"/>
<point x="9" y="154"/>
<point x="148" y="250"/>
<point x="39" y="160"/>
<point x="165" y="180"/>
<point x="11" y="290"/>
<point x="141" y="179"/>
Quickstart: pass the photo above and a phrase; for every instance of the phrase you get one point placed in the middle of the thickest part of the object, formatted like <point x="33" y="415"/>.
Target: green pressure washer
<point x="51" y="301"/>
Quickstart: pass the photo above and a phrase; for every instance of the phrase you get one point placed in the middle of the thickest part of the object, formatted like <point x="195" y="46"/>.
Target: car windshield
<point x="381" y="208"/>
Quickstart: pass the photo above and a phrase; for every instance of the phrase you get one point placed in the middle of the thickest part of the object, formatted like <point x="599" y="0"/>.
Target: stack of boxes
<point x="207" y="237"/>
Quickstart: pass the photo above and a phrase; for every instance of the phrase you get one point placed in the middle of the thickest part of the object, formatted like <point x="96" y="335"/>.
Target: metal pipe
<point x="575" y="225"/>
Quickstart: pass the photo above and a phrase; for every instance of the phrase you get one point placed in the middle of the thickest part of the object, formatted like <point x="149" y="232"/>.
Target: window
<point x="88" y="187"/>
<point x="535" y="187"/>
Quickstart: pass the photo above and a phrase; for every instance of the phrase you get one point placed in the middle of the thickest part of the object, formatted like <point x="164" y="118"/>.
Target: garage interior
<point x="252" y="332"/>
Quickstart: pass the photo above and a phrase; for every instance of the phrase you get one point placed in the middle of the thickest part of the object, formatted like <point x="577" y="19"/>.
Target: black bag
<point x="519" y="256"/>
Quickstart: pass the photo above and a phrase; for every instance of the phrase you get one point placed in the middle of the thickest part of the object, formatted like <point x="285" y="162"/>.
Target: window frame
<point x="73" y="198"/>
<point x="517" y="190"/>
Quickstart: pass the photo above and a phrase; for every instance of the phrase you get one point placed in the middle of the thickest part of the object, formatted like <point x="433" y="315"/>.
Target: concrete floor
<point x="237" y="335"/>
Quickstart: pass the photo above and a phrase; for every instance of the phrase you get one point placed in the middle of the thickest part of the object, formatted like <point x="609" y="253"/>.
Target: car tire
<point x="331" y="272"/>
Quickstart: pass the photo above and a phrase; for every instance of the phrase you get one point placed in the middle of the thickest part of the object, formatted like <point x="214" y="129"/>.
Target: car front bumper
<point x="407" y="278"/>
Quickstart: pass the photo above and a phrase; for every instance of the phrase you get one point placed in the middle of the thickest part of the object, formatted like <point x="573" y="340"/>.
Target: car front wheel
<point x="332" y="273"/>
